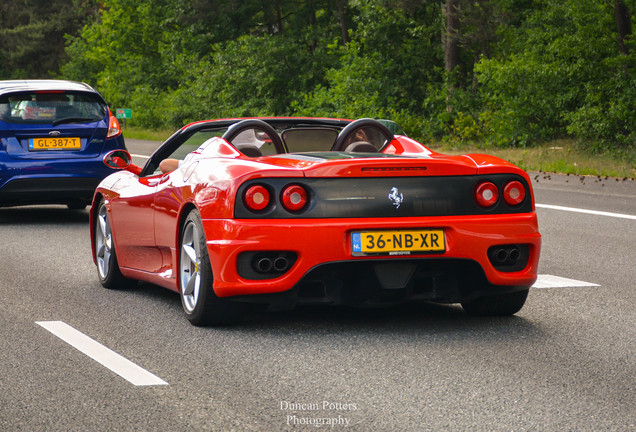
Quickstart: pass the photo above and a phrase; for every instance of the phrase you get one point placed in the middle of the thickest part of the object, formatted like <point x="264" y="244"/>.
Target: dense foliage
<point x="499" y="72"/>
<point x="32" y="34"/>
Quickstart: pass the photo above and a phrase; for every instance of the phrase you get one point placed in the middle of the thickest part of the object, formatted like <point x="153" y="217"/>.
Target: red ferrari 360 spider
<point x="278" y="212"/>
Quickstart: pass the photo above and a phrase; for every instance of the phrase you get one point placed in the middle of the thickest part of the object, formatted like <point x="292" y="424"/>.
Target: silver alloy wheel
<point x="103" y="242"/>
<point x="190" y="267"/>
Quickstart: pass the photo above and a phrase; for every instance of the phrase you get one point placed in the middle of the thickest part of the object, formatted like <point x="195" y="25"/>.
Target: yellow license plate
<point x="54" y="143"/>
<point x="398" y="242"/>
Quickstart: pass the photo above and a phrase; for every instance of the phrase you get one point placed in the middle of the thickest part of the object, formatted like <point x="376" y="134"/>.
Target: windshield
<point x="44" y="107"/>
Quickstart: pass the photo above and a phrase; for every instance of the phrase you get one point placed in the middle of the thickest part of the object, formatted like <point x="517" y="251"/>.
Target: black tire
<point x="107" y="266"/>
<point x="498" y="304"/>
<point x="200" y="304"/>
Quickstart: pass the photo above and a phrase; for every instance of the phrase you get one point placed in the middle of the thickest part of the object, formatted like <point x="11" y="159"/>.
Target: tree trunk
<point x="344" y="30"/>
<point x="623" y="24"/>
<point x="450" y="40"/>
<point x="314" y="24"/>
<point x="279" y="18"/>
<point x="451" y="35"/>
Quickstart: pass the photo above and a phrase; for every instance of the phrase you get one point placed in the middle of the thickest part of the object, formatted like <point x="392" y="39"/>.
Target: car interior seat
<point x="250" y="151"/>
<point x="361" y="147"/>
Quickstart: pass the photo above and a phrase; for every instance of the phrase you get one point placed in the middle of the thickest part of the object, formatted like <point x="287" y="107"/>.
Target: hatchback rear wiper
<point x="72" y="120"/>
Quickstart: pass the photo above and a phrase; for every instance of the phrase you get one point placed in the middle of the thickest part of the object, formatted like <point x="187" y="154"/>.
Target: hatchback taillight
<point x="486" y="194"/>
<point x="113" y="125"/>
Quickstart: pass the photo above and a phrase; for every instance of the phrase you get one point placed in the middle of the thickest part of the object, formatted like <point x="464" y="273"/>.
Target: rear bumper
<point x="48" y="190"/>
<point x="51" y="182"/>
<point x="324" y="252"/>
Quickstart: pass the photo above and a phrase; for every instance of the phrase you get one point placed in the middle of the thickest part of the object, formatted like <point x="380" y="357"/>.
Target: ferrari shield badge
<point x="396" y="197"/>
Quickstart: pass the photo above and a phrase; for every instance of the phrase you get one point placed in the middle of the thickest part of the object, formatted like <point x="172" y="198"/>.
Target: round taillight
<point x="256" y="198"/>
<point x="294" y="197"/>
<point x="514" y="193"/>
<point x="486" y="194"/>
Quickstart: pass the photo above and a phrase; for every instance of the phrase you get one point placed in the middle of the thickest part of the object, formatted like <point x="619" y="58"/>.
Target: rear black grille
<point x="360" y="282"/>
<point x="393" y="197"/>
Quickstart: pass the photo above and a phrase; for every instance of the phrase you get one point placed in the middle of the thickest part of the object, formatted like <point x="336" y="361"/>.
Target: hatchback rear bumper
<point x="61" y="190"/>
<point x="52" y="182"/>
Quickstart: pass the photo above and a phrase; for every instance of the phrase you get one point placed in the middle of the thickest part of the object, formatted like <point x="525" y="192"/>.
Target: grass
<point x="147" y="134"/>
<point x="559" y="156"/>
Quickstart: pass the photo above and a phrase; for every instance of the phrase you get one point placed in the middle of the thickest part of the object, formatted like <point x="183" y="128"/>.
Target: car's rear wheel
<point x="107" y="267"/>
<point x="499" y="304"/>
<point x="200" y="304"/>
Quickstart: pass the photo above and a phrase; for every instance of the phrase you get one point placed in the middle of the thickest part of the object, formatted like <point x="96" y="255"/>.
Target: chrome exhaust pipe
<point x="501" y="255"/>
<point x="281" y="264"/>
<point x="264" y="265"/>
<point x="514" y="254"/>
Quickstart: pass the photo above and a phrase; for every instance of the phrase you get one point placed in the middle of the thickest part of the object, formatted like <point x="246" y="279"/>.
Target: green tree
<point x="384" y="71"/>
<point x="205" y="58"/>
<point x="560" y="73"/>
<point x="130" y="47"/>
<point x="32" y="35"/>
<point x="511" y="72"/>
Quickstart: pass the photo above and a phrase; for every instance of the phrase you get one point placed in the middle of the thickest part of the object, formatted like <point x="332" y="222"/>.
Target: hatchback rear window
<point x="44" y="107"/>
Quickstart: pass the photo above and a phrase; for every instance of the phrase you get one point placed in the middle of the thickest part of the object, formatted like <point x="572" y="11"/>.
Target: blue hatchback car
<point x="53" y="137"/>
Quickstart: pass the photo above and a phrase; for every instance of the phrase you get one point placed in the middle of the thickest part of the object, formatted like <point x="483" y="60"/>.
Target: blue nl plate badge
<point x="356" y="243"/>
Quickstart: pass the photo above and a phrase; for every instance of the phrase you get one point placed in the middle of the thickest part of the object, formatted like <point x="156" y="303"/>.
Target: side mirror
<point x="121" y="159"/>
<point x="118" y="159"/>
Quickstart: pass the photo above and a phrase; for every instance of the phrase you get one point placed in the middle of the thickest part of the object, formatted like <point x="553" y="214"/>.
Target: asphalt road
<point x="565" y="362"/>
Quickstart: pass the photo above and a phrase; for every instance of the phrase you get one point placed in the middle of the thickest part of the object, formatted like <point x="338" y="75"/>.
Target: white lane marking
<point x="140" y="156"/>
<point x="105" y="356"/>
<point x="594" y="212"/>
<point x="549" y="281"/>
